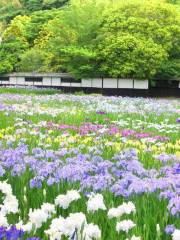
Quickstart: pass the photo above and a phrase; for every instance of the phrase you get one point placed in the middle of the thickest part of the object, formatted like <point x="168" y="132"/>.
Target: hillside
<point x="130" y="38"/>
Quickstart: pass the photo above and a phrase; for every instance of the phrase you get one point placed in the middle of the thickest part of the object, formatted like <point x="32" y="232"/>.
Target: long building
<point x="65" y="80"/>
<point x="104" y="85"/>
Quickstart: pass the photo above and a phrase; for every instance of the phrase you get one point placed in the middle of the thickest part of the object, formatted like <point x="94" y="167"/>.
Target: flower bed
<point x="89" y="167"/>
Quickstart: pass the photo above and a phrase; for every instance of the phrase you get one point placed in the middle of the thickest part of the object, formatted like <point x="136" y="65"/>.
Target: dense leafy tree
<point x="10" y="52"/>
<point x="130" y="56"/>
<point x="32" y="5"/>
<point x="9" y="10"/>
<point x="49" y="4"/>
<point x="169" y="70"/>
<point x="137" y="38"/>
<point x="32" y="60"/>
<point x="37" y="22"/>
<point x="55" y="37"/>
<point x="133" y="38"/>
<point x="17" y="29"/>
<point x="13" y="44"/>
<point x="70" y="37"/>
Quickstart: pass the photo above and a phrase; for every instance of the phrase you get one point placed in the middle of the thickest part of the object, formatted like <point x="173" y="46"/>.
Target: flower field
<point x="84" y="167"/>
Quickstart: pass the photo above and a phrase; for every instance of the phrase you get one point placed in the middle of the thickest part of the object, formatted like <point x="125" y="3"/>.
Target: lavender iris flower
<point x="169" y="229"/>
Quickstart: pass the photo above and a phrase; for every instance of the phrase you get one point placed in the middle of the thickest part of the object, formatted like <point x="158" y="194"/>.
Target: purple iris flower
<point x="101" y="112"/>
<point x="11" y="234"/>
<point x="33" y="238"/>
<point x="169" y="229"/>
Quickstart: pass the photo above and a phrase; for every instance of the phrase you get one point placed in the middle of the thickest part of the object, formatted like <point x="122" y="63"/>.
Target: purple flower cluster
<point x="124" y="175"/>
<point x="13" y="234"/>
<point x="169" y="229"/>
<point x="167" y="158"/>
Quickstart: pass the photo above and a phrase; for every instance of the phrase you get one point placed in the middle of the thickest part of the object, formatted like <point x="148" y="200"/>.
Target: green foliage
<point x="69" y="38"/>
<point x="133" y="38"/>
<point x="32" y="5"/>
<point x="5" y="66"/>
<point x="36" y="5"/>
<point x="80" y="62"/>
<point x="170" y="69"/>
<point x="17" y="29"/>
<point x="10" y="52"/>
<point x="13" y="44"/>
<point x="129" y="56"/>
<point x="32" y="60"/>
<point x="48" y="4"/>
<point x="137" y="37"/>
<point x="11" y="8"/>
<point x="37" y="22"/>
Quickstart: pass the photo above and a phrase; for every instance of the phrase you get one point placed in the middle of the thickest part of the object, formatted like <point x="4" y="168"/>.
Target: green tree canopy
<point x="137" y="37"/>
<point x="132" y="38"/>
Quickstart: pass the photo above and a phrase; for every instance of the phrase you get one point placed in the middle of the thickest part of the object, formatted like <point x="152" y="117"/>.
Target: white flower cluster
<point x="134" y="238"/>
<point x="95" y="202"/>
<point x="176" y="235"/>
<point x="125" y="226"/>
<point x="64" y="200"/>
<point x="74" y="224"/>
<point x="10" y="203"/>
<point x="125" y="208"/>
<point x="37" y="217"/>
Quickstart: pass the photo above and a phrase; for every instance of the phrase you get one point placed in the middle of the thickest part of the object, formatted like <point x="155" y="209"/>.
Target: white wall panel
<point x="75" y="84"/>
<point x="5" y="82"/>
<point x="65" y="84"/>
<point x="97" y="82"/>
<point x="20" y="81"/>
<point x="140" y="84"/>
<point x="38" y="84"/>
<point x="46" y="81"/>
<point x="109" y="83"/>
<point x="86" y="82"/>
<point x="12" y="80"/>
<point x="56" y="81"/>
<point x="29" y="83"/>
<point x="125" y="83"/>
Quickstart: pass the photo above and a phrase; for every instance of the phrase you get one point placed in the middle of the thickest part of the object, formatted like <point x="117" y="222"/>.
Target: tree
<point x="13" y="44"/>
<point x="132" y="38"/>
<point x="49" y="4"/>
<point x="32" y="5"/>
<point x="37" y="22"/>
<point x="69" y="38"/>
<point x="125" y="55"/>
<point x="9" y="10"/>
<point x="10" y="52"/>
<point x="17" y="29"/>
<point x="32" y="60"/>
<point x="54" y="37"/>
<point x="169" y="70"/>
<point x="80" y="62"/>
<point x="140" y="36"/>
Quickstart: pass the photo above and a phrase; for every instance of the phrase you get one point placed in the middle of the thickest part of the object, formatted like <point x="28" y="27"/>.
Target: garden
<point x="85" y="167"/>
